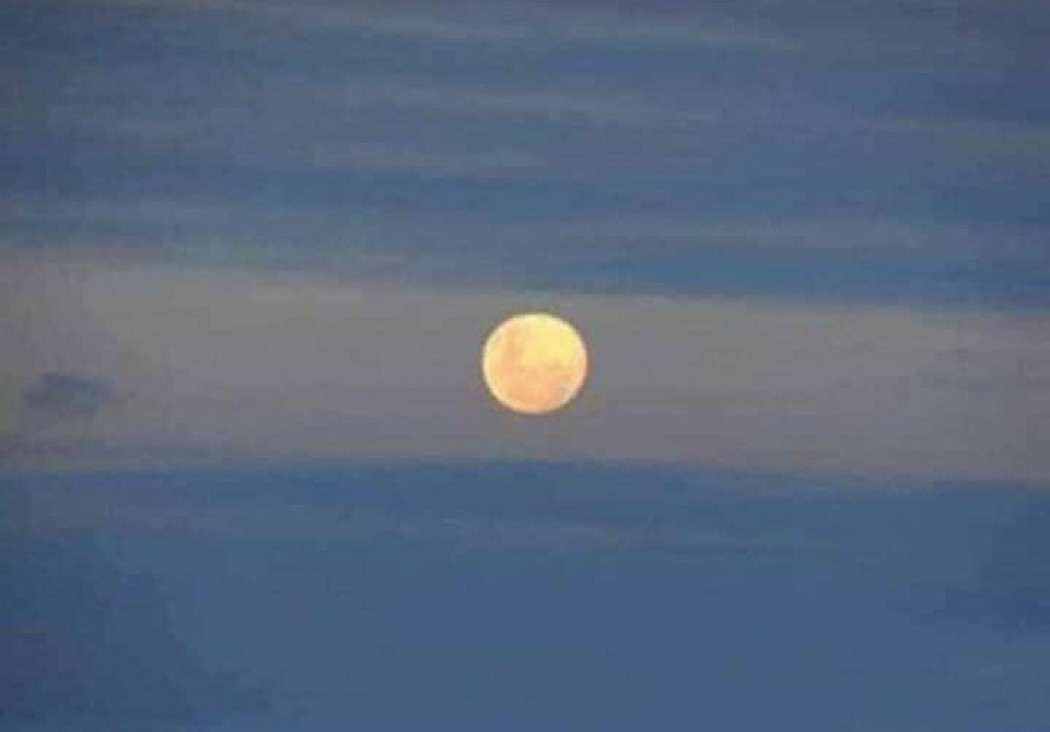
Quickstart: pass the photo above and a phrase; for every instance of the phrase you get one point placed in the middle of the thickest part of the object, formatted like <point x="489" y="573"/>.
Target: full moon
<point x="534" y="363"/>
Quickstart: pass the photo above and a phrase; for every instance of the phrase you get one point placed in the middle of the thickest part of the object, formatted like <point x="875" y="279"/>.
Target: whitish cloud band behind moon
<point x="767" y="385"/>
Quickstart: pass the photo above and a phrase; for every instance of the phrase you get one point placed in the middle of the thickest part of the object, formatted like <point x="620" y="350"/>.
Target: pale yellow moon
<point x="534" y="363"/>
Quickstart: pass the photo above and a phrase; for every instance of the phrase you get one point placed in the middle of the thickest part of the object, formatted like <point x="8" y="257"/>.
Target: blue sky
<point x="250" y="477"/>
<point x="520" y="595"/>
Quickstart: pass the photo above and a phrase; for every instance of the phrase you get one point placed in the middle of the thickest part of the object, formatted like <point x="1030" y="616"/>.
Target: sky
<point x="249" y="253"/>
<point x="803" y="238"/>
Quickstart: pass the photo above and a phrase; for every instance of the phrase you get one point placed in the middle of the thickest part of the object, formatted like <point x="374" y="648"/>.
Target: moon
<point x="534" y="363"/>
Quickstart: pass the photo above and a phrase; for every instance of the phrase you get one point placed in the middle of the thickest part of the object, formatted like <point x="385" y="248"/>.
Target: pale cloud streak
<point x="324" y="523"/>
<point x="372" y="371"/>
<point x="927" y="30"/>
<point x="914" y="262"/>
<point x="700" y="124"/>
<point x="470" y="21"/>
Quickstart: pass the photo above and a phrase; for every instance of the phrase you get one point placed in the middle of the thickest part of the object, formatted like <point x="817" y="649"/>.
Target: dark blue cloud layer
<point x="925" y="114"/>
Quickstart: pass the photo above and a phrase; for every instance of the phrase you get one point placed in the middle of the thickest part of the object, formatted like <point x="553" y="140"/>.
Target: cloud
<point x="247" y="95"/>
<point x="67" y="396"/>
<point x="857" y="29"/>
<point x="286" y="365"/>
<point x="965" y="137"/>
<point x="513" y="22"/>
<point x="580" y="157"/>
<point x="408" y="120"/>
<point x="864" y="259"/>
<point x="422" y="155"/>
<point x="337" y="521"/>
